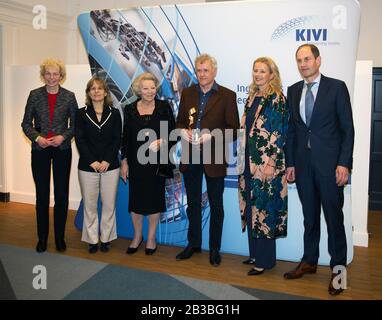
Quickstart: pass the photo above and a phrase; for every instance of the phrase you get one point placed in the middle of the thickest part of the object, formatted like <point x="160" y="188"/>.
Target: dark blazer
<point x="36" y="117"/>
<point x="220" y="113"/>
<point x="98" y="141"/>
<point x="331" y="131"/>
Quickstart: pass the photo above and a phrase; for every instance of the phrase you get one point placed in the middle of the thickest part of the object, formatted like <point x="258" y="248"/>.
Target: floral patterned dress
<point x="268" y="186"/>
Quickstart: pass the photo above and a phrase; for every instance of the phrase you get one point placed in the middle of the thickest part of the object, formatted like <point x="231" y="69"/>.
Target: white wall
<point x="370" y="44"/>
<point x="361" y="154"/>
<point x="25" y="45"/>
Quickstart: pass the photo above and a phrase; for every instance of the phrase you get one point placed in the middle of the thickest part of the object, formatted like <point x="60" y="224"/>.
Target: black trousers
<point x="42" y="161"/>
<point x="193" y="178"/>
<point x="315" y="191"/>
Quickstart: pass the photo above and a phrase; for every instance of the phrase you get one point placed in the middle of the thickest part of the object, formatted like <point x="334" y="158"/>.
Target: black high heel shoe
<point x="150" y="252"/>
<point x="249" y="261"/>
<point x="131" y="250"/>
<point x="255" y="272"/>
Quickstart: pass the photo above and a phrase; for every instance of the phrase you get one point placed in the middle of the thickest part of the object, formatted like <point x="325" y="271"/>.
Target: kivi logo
<point x="310" y="28"/>
<point x="311" y="35"/>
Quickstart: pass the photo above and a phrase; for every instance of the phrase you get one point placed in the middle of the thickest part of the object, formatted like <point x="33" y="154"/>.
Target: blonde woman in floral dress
<point x="263" y="186"/>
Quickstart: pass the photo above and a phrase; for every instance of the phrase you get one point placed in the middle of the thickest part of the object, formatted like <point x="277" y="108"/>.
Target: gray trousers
<point x="92" y="184"/>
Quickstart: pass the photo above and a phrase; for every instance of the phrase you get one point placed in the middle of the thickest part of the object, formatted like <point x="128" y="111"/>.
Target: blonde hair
<point x="50" y="62"/>
<point x="136" y="85"/>
<point x="274" y="85"/>
<point x="107" y="101"/>
<point x="206" y="57"/>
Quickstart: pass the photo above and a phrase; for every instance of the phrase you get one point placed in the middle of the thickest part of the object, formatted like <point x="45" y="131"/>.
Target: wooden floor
<point x="18" y="227"/>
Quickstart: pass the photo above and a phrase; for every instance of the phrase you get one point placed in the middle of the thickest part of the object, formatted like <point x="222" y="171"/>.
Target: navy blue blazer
<point x="331" y="130"/>
<point x="98" y="140"/>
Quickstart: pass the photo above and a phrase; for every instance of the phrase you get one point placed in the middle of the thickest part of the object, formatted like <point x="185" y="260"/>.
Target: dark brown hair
<point x="108" y="101"/>
<point x="312" y="47"/>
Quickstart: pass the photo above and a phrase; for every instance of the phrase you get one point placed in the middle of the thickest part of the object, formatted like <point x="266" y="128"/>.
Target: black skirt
<point x="147" y="195"/>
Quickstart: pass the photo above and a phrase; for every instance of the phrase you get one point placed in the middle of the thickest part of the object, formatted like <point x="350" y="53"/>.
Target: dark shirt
<point x="203" y="100"/>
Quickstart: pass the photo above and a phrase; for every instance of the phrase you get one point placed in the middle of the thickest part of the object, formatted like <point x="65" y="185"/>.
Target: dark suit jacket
<point x="36" y="117"/>
<point x="220" y="113"/>
<point x="98" y="141"/>
<point x="331" y="131"/>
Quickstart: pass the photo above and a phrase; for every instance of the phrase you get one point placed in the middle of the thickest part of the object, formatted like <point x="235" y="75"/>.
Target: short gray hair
<point x="206" y="57"/>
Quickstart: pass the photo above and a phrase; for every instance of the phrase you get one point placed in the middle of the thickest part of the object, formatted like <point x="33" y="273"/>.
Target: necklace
<point x="145" y="109"/>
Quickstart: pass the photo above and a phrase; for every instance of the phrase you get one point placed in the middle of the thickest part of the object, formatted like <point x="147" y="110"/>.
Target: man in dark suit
<point x="205" y="106"/>
<point x="319" y="158"/>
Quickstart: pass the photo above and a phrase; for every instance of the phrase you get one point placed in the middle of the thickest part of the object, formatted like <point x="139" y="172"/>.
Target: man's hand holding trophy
<point x="194" y="136"/>
<point x="194" y="133"/>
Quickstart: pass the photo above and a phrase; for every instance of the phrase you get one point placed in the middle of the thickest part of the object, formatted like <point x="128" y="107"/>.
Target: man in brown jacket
<point x="209" y="110"/>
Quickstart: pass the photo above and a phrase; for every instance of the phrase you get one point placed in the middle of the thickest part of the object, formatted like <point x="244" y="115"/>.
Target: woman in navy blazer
<point x="49" y="123"/>
<point x="98" y="138"/>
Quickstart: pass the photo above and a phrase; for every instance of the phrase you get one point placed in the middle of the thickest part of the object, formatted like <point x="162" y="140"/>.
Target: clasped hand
<point x="100" y="166"/>
<point x="55" y="141"/>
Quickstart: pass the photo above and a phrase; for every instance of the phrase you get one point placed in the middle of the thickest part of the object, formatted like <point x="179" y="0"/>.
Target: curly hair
<point x="50" y="62"/>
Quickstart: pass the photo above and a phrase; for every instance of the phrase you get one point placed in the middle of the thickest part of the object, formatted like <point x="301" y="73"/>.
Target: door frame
<point x="377" y="71"/>
<point x="4" y="195"/>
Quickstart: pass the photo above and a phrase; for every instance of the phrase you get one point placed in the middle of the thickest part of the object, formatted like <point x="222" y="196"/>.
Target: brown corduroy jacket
<point x="220" y="113"/>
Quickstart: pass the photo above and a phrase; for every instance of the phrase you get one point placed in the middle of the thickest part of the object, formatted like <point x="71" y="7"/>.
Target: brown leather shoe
<point x="333" y="291"/>
<point x="300" y="270"/>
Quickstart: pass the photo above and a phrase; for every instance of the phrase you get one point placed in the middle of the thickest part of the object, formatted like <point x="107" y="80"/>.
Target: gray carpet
<point x="80" y="279"/>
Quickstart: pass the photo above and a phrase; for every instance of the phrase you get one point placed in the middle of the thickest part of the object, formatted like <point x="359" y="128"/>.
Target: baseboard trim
<point x="4" y="197"/>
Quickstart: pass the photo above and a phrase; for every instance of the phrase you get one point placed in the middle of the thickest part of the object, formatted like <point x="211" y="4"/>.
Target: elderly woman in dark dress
<point x="146" y="187"/>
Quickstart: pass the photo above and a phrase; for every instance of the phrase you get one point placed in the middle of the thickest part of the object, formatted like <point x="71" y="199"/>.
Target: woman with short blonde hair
<point x="146" y="76"/>
<point x="49" y="123"/>
<point x="50" y="62"/>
